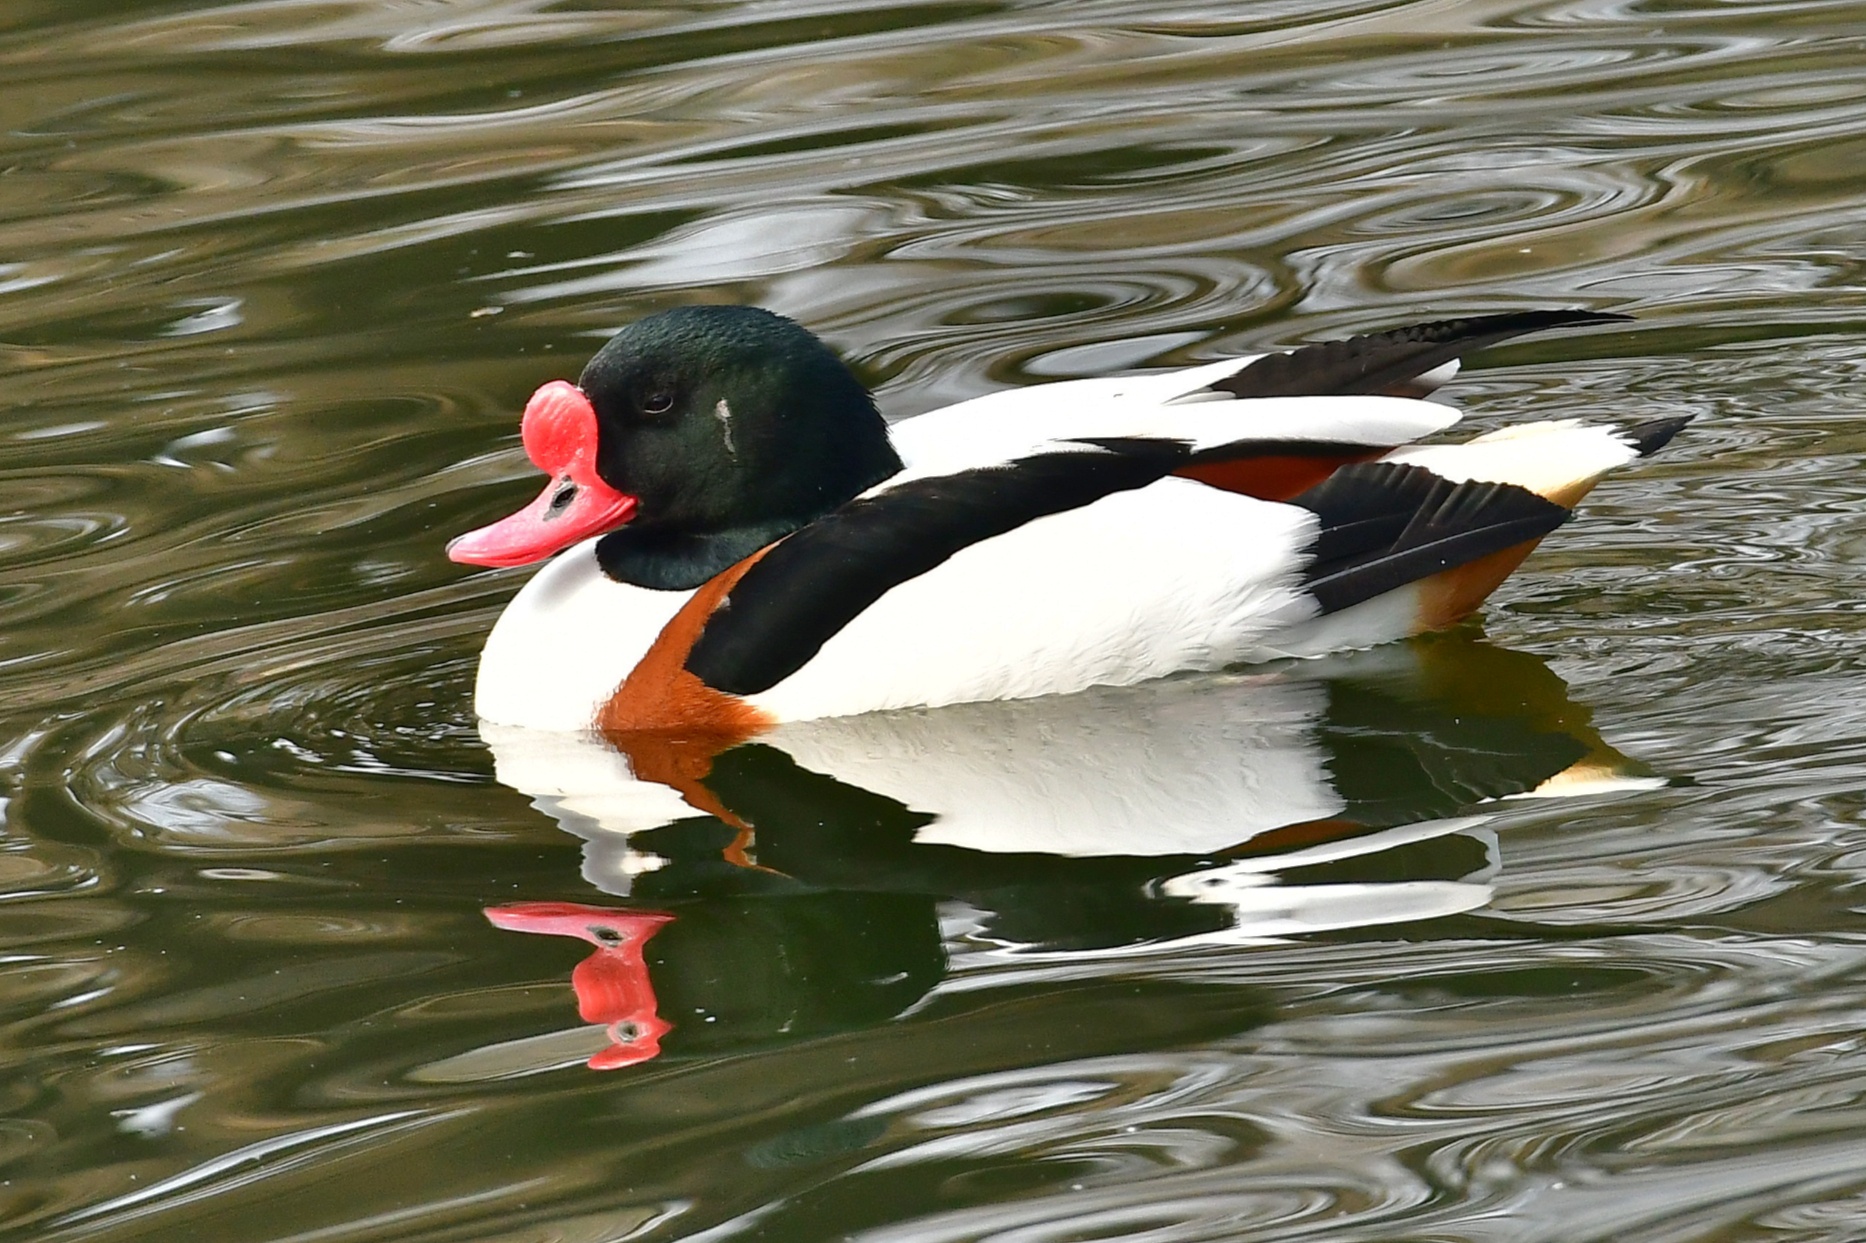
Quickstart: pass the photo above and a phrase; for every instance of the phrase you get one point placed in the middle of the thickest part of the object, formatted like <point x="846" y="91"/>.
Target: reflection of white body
<point x="1190" y="766"/>
<point x="1186" y="766"/>
<point x="1179" y="767"/>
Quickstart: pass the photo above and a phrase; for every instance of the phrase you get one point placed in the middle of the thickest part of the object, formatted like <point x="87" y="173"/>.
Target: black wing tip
<point x="1393" y="361"/>
<point x="1648" y="437"/>
<point x="1485" y="330"/>
<point x="1565" y="317"/>
<point x="1581" y="316"/>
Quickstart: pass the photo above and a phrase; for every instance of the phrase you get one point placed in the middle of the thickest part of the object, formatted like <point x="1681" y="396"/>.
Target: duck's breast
<point x="566" y="641"/>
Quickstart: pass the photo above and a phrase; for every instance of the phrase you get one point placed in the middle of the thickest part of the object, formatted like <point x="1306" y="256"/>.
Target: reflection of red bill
<point x="612" y="984"/>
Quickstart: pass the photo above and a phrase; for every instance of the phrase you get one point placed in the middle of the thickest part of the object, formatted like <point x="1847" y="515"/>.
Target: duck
<point x="736" y="538"/>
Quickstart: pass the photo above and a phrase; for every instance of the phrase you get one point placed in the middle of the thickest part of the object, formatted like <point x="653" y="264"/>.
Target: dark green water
<point x="275" y="279"/>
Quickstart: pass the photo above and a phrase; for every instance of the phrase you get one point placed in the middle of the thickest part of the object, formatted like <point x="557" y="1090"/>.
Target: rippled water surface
<point x="285" y="959"/>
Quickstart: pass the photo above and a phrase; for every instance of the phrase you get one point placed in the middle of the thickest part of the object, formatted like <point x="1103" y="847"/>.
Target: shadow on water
<point x="810" y="882"/>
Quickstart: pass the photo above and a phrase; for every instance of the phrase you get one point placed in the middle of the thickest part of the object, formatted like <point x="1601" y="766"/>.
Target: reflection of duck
<point x="755" y="551"/>
<point x="813" y="878"/>
<point x="1195" y="766"/>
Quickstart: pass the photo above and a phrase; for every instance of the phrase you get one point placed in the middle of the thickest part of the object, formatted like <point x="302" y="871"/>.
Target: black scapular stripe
<point x="818" y="579"/>
<point x="1379" y="361"/>
<point x="1385" y="524"/>
<point x="1240" y="449"/>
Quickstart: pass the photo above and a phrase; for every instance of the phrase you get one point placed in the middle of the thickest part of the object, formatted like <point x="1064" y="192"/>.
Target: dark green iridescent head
<point x="732" y="426"/>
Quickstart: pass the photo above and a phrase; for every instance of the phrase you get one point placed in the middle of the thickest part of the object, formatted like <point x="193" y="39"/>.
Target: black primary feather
<point x="1379" y="361"/>
<point x="1384" y="524"/>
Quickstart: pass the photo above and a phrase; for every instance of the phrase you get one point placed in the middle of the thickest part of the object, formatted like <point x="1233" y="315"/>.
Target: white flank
<point x="1552" y="459"/>
<point x="565" y="643"/>
<point x="1175" y="576"/>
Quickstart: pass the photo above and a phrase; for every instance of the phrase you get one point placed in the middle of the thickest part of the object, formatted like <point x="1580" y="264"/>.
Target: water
<point x="277" y="277"/>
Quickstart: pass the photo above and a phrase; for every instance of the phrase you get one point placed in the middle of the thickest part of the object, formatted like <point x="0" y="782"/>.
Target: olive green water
<point x="275" y="279"/>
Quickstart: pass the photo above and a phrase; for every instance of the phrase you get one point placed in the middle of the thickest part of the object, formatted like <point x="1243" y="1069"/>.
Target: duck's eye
<point x="560" y="499"/>
<point x="658" y="402"/>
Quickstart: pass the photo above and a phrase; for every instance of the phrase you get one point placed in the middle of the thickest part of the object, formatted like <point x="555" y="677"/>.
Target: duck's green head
<point x="705" y="431"/>
<point x="722" y="416"/>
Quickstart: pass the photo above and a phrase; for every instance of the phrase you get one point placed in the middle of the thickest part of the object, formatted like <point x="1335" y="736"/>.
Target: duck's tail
<point x="1560" y="461"/>
<point x="1416" y="540"/>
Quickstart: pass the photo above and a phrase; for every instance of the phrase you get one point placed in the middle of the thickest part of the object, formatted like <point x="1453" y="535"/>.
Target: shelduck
<point x="740" y="539"/>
